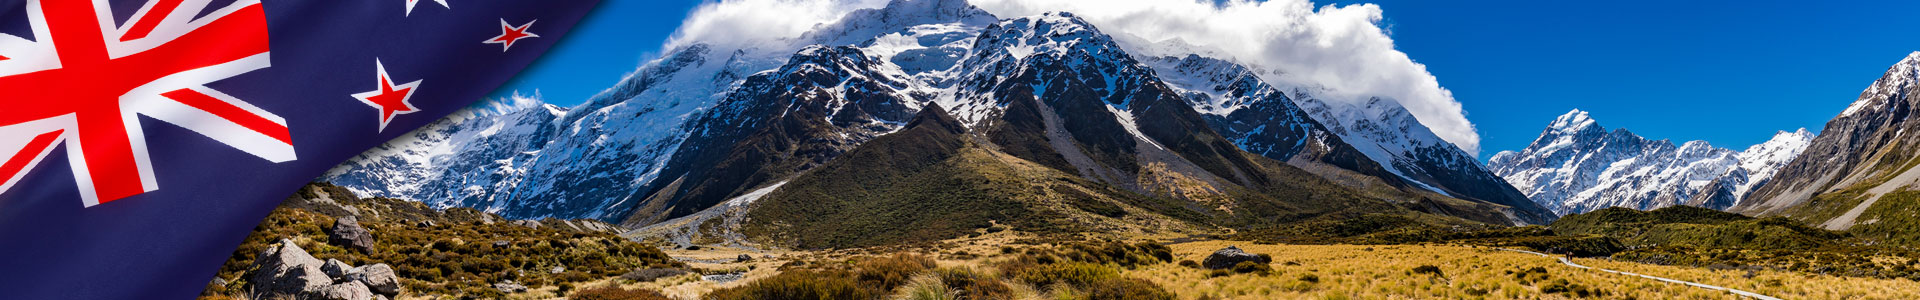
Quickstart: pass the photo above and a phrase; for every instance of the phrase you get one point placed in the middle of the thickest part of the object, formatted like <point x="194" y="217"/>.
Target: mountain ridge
<point x="1577" y="166"/>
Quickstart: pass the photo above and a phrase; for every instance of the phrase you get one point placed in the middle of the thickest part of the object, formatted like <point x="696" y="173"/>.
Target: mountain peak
<point x="1898" y="78"/>
<point x="933" y="115"/>
<point x="865" y="24"/>
<point x="1571" y="121"/>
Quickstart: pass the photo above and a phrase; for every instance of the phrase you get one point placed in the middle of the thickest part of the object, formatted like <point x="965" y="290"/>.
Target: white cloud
<point x="742" y="24"/>
<point x="1342" y="48"/>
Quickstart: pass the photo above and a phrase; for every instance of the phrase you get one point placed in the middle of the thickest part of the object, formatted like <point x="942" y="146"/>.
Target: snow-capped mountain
<point x="436" y="163"/>
<point x="620" y="141"/>
<point x="1576" y="166"/>
<point x="1860" y="156"/>
<point x="707" y="124"/>
<point x="1278" y="122"/>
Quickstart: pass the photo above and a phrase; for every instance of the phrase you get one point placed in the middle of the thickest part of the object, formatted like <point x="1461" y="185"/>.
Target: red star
<point x="390" y="99"/>
<point x="510" y="33"/>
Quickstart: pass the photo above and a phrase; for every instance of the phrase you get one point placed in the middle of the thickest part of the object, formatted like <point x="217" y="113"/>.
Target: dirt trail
<point x="1564" y="260"/>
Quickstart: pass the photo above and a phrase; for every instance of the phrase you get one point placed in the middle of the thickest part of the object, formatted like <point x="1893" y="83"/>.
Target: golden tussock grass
<point x="1387" y="272"/>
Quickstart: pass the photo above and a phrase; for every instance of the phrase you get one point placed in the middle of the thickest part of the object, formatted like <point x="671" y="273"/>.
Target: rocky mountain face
<point x="1378" y="139"/>
<point x="1853" y="175"/>
<point x="1039" y="122"/>
<point x="1576" y="166"/>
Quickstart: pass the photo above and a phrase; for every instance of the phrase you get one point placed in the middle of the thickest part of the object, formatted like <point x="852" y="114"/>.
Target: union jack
<point x="83" y="81"/>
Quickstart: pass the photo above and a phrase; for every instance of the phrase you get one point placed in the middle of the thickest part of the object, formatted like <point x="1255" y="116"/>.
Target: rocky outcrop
<point x="285" y="270"/>
<point x="510" y="287"/>
<point x="346" y="232"/>
<point x="378" y="277"/>
<point x="1226" y="258"/>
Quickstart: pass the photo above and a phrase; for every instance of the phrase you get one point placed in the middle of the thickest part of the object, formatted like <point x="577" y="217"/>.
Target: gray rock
<point x="1226" y="258"/>
<point x="285" y="270"/>
<point x="509" y="287"/>
<point x="336" y="268"/>
<point x="502" y="244"/>
<point x="346" y="232"/>
<point x="378" y="277"/>
<point x="527" y="223"/>
<point x="743" y="258"/>
<point x="559" y="269"/>
<point x="351" y="290"/>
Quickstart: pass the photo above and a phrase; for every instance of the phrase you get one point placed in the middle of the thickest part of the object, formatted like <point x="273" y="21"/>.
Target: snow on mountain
<point x="1275" y="121"/>
<point x="1577" y="166"/>
<point x="1763" y="160"/>
<point x="435" y="163"/>
<point x="1860" y="156"/>
<point x="592" y="159"/>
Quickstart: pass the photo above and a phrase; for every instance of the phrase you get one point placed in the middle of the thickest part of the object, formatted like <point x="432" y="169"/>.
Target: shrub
<point x="1429" y="270"/>
<point x="925" y="287"/>
<point x="1189" y="263"/>
<point x="1252" y="267"/>
<point x="1129" y="288"/>
<point x="613" y="292"/>
<point x="798" y="285"/>
<point x="974" y="285"/>
<point x="892" y="271"/>
<point x="1071" y="273"/>
<point x="648" y="275"/>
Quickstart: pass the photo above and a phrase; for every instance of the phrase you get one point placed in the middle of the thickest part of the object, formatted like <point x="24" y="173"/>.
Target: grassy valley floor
<point x="1417" y="271"/>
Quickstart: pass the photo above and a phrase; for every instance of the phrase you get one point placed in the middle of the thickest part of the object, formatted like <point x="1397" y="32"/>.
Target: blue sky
<point x="1729" y="72"/>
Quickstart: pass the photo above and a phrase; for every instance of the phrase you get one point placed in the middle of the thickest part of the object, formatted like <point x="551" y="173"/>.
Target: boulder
<point x="743" y="258"/>
<point x="1226" y="258"/>
<point x="527" y="223"/>
<point x="346" y="232"/>
<point x="509" y="287"/>
<point x="378" y="277"/>
<point x="336" y="268"/>
<point x="285" y="270"/>
<point x="351" y="290"/>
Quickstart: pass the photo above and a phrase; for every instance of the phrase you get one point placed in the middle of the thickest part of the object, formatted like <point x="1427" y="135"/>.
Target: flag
<point x="142" y="140"/>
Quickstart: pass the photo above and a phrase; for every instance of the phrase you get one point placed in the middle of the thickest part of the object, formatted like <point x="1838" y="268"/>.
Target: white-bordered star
<point x="410" y="3"/>
<point x="510" y="33"/>
<point x="390" y="99"/>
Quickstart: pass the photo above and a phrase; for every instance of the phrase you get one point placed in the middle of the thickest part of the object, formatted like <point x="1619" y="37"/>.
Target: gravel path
<point x="1564" y="260"/>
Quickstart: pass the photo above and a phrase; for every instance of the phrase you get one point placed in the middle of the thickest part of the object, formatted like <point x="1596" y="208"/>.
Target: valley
<point x="929" y="149"/>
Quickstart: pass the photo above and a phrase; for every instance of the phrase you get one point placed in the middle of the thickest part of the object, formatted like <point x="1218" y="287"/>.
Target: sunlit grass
<point x="1387" y="272"/>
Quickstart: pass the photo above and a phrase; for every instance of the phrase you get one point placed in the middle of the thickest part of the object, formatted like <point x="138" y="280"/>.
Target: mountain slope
<point x="1576" y="166"/>
<point x="1263" y="119"/>
<point x="1059" y="131"/>
<point x="1056" y="123"/>
<point x="1847" y="176"/>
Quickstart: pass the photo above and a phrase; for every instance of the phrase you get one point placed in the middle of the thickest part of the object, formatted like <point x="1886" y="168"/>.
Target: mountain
<point x="918" y="121"/>
<point x="1379" y="139"/>
<point x="1056" y="129"/>
<point x="1577" y="166"/>
<point x="1855" y="175"/>
<point x="437" y="164"/>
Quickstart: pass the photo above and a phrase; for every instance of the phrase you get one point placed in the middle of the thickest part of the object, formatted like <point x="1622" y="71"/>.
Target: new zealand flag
<point x="142" y="140"/>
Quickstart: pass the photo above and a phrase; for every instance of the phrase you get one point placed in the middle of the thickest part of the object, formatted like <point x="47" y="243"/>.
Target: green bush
<point x="799" y="285"/>
<point x="892" y="271"/>
<point x="612" y="292"/>
<point x="1246" y="267"/>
